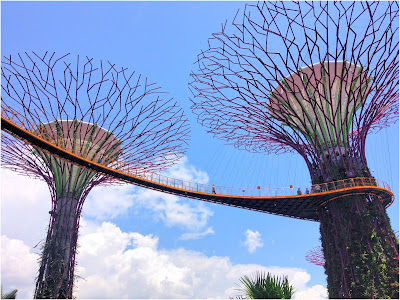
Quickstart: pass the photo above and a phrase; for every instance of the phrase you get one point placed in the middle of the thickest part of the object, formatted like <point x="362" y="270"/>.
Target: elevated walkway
<point x="286" y="201"/>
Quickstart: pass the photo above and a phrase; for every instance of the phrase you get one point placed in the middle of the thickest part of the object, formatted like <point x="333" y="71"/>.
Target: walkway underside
<point x="295" y="206"/>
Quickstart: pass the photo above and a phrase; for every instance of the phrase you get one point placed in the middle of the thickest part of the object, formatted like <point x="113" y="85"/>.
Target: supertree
<point x="95" y="110"/>
<point x="314" y="78"/>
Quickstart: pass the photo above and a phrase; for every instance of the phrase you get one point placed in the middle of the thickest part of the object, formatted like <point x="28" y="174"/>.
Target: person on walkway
<point x="298" y="191"/>
<point x="213" y="189"/>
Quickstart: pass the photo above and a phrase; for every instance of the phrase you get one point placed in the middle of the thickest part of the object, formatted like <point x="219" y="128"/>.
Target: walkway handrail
<point x="159" y="178"/>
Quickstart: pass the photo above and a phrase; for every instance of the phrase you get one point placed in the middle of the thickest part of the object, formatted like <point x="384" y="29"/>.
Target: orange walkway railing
<point x="125" y="168"/>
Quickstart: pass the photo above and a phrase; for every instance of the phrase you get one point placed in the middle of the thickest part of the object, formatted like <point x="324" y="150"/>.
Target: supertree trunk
<point x="56" y="273"/>
<point x="360" y="248"/>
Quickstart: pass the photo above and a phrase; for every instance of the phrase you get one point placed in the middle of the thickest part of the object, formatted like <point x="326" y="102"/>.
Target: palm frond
<point x="265" y="286"/>
<point x="10" y="295"/>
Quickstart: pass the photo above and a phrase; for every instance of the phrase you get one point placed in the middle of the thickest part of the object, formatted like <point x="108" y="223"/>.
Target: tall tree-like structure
<point x="314" y="78"/>
<point x="95" y="110"/>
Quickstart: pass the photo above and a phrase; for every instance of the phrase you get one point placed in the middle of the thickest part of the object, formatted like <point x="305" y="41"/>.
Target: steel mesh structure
<point x="95" y="110"/>
<point x="313" y="78"/>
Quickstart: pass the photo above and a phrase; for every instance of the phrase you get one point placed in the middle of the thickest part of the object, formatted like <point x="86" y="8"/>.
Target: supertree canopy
<point x="94" y="110"/>
<point x="321" y="107"/>
<point x="314" y="78"/>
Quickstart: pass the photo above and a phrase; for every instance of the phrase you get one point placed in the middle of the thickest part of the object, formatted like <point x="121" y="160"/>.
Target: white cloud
<point x="184" y="171"/>
<point x="196" y="235"/>
<point x="315" y="292"/>
<point x="172" y="210"/>
<point x="108" y="202"/>
<point x="19" y="267"/>
<point x="253" y="240"/>
<point x="25" y="206"/>
<point x="117" y="264"/>
<point x="132" y="266"/>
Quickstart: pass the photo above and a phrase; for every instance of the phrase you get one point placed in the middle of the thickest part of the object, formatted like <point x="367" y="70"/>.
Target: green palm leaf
<point x="261" y="286"/>
<point x="10" y="295"/>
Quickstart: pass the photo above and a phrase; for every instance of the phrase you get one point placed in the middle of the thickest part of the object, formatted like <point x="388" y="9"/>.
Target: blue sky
<point x="141" y="244"/>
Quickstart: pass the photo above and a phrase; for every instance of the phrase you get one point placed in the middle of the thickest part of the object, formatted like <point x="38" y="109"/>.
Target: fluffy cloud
<point x="25" y="206"/>
<point x="133" y="266"/>
<point x="108" y="202"/>
<point x="117" y="264"/>
<point x="315" y="292"/>
<point x="19" y="267"/>
<point x="253" y="240"/>
<point x="185" y="171"/>
<point x="172" y="210"/>
<point x="196" y="235"/>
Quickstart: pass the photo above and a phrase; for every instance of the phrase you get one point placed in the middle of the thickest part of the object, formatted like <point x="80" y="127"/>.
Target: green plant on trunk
<point x="360" y="248"/>
<point x="265" y="286"/>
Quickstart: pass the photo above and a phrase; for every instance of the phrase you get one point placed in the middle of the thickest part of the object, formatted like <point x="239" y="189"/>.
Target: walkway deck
<point x="277" y="201"/>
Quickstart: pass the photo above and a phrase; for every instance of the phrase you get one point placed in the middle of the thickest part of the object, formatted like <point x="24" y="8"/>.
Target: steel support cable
<point x="238" y="159"/>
